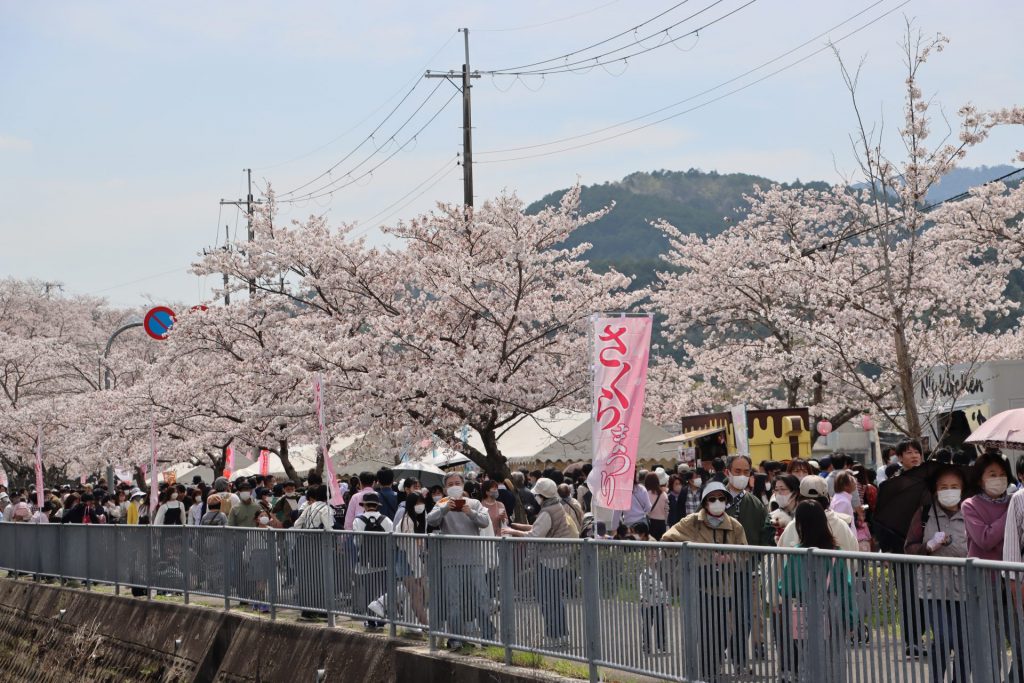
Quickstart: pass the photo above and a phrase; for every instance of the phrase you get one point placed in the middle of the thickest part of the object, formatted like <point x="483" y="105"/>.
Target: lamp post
<point x="134" y="322"/>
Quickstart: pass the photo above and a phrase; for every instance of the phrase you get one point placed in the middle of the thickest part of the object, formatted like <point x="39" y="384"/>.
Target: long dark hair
<point x="419" y="521"/>
<point x="812" y="526"/>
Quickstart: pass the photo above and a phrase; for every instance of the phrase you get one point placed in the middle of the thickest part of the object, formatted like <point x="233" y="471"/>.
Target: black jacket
<point x="76" y="515"/>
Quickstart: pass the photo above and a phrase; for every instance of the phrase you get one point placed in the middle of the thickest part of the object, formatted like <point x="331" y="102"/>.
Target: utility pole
<point x="467" y="119"/>
<point x="227" y="246"/>
<point x="248" y="201"/>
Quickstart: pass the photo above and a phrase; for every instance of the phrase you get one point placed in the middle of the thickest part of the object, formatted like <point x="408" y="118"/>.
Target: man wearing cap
<point x="461" y="562"/>
<point x="716" y="573"/>
<point x="244" y="513"/>
<point x="815" y="488"/>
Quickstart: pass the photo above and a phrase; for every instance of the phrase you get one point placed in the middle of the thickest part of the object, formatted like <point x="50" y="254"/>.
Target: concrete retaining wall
<point x="55" y="634"/>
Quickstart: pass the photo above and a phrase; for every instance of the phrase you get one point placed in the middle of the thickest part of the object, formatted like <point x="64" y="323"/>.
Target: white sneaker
<point x="377" y="608"/>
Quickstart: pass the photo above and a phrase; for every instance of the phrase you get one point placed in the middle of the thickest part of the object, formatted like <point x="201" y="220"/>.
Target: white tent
<point x="564" y="436"/>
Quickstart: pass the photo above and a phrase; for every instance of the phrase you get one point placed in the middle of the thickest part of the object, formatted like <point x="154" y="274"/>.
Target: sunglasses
<point x="717" y="499"/>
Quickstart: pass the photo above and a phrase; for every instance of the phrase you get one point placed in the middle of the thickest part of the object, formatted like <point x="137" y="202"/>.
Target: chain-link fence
<point x="679" y="612"/>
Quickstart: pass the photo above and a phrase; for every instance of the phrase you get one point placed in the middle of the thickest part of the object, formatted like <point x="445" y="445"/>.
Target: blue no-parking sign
<point x="158" y="322"/>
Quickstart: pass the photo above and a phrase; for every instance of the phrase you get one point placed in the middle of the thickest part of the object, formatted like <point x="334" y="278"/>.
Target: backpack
<point x="372" y="525"/>
<point x="172" y="516"/>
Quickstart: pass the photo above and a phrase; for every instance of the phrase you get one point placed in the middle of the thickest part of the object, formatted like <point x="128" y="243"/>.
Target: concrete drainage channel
<point x="47" y="633"/>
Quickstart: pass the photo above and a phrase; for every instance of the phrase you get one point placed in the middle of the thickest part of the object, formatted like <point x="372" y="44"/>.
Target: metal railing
<point x="680" y="612"/>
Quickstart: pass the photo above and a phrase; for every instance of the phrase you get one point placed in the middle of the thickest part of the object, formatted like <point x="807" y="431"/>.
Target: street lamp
<point x="134" y="321"/>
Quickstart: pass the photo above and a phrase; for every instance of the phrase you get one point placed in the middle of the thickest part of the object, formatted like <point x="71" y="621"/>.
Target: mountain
<point x="694" y="201"/>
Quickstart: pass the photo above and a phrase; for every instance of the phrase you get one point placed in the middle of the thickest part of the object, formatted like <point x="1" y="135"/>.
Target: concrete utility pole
<point x="249" y="202"/>
<point x="467" y="119"/>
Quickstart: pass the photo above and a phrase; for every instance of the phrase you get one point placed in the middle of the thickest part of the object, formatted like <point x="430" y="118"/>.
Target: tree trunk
<point x="289" y="469"/>
<point x="319" y="467"/>
<point x="905" y="371"/>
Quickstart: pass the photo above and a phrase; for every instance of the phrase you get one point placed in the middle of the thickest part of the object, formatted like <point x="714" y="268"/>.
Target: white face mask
<point x="716" y="508"/>
<point x="995" y="487"/>
<point x="783" y="499"/>
<point x="174" y="496"/>
<point x="739" y="481"/>
<point x="244" y="496"/>
<point x="419" y="509"/>
<point x="455" y="491"/>
<point x="697" y="481"/>
<point x="264" y="520"/>
<point x="198" y="499"/>
<point x="948" y="498"/>
<point x="437" y="499"/>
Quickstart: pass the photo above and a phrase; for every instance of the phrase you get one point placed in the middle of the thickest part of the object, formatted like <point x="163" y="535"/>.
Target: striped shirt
<point x="1012" y="541"/>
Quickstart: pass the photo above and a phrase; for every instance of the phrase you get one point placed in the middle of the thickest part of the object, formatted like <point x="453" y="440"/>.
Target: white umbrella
<point x="426" y="472"/>
<point x="1002" y="430"/>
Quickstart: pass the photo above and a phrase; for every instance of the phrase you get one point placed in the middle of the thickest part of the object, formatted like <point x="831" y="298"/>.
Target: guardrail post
<point x="149" y="561"/>
<point x="391" y="584"/>
<point x="39" y="553"/>
<point x="815" y="604"/>
<point x="88" y="557"/>
<point x="60" y="554"/>
<point x="689" y="626"/>
<point x="435" y="587"/>
<point x="117" y="563"/>
<point x="327" y="546"/>
<point x="979" y="626"/>
<point x="591" y="605"/>
<point x="225" y="569"/>
<point x="185" y="563"/>
<point x="506" y="587"/>
<point x="273" y="597"/>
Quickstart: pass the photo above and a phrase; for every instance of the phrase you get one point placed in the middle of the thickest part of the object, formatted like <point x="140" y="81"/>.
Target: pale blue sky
<point x="123" y="123"/>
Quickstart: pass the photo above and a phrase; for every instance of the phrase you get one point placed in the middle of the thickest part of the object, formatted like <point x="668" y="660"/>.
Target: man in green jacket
<point x="753" y="517"/>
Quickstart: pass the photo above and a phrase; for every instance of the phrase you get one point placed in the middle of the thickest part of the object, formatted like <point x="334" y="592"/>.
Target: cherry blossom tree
<point x="478" y="319"/>
<point x="843" y="299"/>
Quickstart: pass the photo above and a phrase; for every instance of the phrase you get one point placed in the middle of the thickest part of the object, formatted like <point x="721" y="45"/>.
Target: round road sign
<point x="158" y="322"/>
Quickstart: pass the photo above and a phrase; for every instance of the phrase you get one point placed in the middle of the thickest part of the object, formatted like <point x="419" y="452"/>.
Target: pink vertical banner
<point x="39" y="468"/>
<point x="321" y="418"/>
<point x="154" y="492"/>
<point x="621" y="349"/>
<point x="264" y="463"/>
<point x="229" y="461"/>
<point x="3" y="477"/>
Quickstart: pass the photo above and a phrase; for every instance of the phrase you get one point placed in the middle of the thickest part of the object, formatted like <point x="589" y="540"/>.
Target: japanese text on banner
<point x="621" y="349"/>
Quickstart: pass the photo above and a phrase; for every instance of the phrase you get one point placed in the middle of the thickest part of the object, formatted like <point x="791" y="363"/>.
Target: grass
<point x="533" y="660"/>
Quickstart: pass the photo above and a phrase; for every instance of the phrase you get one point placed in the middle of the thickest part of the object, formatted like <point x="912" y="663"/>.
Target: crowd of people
<point x="943" y="505"/>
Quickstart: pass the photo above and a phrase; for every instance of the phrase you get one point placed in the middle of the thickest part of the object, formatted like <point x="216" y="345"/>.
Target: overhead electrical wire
<point x="448" y="165"/>
<point x="368" y="137"/>
<point x="324" y="192"/>
<point x="685" y="111"/>
<point x="585" y="65"/>
<point x="592" y="46"/>
<point x="408" y="203"/>
<point x="415" y="79"/>
<point x="687" y="99"/>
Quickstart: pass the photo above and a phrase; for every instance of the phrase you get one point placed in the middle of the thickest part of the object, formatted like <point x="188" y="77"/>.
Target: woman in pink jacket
<point x="985" y="512"/>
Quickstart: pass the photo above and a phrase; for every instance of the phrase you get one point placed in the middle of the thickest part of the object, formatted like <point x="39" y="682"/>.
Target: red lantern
<point x="867" y="423"/>
<point x="824" y="428"/>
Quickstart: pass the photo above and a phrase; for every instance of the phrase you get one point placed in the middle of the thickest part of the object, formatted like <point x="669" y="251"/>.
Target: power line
<point x="446" y="166"/>
<point x="585" y="65"/>
<point x="367" y="138"/>
<point x="404" y="206"/>
<point x="930" y="207"/>
<point x="368" y="116"/>
<point x="692" y="97"/>
<point x="374" y="168"/>
<point x="547" y="23"/>
<point x="597" y="44"/>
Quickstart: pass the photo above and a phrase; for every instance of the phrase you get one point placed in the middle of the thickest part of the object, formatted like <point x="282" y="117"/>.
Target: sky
<point x="123" y="124"/>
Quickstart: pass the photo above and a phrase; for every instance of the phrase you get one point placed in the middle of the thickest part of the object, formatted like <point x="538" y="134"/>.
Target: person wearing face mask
<point x="198" y="509"/>
<point x="286" y="508"/>
<point x="783" y="500"/>
<point x="985" y="512"/>
<point x="244" y="513"/>
<point x="711" y="524"/>
<point x="411" y="565"/>
<point x="463" y="582"/>
<point x="171" y="511"/>
<point x="938" y="529"/>
<point x="495" y="510"/>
